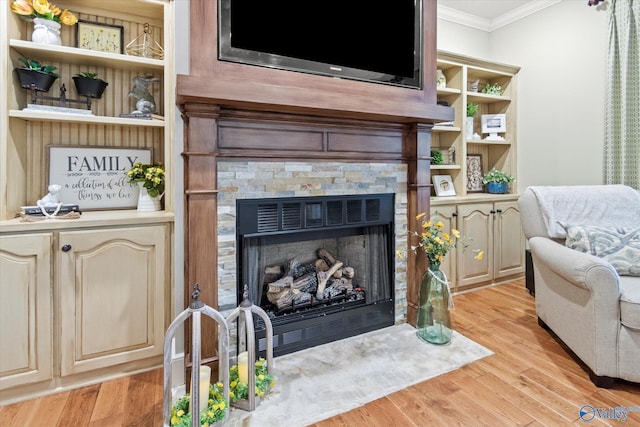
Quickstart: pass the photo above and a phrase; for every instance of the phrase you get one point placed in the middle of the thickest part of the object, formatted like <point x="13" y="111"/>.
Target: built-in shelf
<point x="486" y="98"/>
<point x="449" y="91"/>
<point x="76" y="56"/>
<point x="482" y="141"/>
<point x="445" y="167"/>
<point x="45" y="116"/>
<point x="446" y="129"/>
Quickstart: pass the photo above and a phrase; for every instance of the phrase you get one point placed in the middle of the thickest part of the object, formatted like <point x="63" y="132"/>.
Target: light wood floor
<point x="530" y="381"/>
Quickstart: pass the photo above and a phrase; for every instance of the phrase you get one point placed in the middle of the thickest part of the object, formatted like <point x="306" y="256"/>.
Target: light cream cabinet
<point x="80" y="305"/>
<point x="109" y="294"/>
<point x="26" y="301"/>
<point x="490" y="226"/>
<point x="112" y="285"/>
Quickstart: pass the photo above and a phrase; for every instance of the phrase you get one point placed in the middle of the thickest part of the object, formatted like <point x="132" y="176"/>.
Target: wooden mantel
<point x="217" y="93"/>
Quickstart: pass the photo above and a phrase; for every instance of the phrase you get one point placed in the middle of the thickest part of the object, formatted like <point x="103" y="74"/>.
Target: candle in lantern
<point x="243" y="367"/>
<point x="205" y="378"/>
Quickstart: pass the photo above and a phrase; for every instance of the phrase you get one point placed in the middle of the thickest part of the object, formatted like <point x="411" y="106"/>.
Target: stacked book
<point x="37" y="211"/>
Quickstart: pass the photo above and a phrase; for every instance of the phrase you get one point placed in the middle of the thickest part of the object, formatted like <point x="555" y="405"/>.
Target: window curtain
<point x="622" y="116"/>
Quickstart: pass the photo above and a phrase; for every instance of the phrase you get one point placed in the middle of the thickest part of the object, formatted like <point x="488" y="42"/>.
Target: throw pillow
<point x="619" y="246"/>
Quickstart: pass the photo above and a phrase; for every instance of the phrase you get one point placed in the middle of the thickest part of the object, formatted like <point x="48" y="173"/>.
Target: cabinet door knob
<point x="499" y="211"/>
<point x="454" y="214"/>
<point x="66" y="248"/>
<point x="492" y="211"/>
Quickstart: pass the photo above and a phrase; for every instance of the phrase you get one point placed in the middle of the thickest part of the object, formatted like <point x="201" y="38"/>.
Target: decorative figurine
<point x="50" y="201"/>
<point x="145" y="103"/>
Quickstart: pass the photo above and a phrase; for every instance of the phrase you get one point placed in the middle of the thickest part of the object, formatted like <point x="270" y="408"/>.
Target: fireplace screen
<point x="321" y="267"/>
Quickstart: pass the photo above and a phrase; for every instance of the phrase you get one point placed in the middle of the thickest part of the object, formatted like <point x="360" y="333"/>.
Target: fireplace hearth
<point x="321" y="267"/>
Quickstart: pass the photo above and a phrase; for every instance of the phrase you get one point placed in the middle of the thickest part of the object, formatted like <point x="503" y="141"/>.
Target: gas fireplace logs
<point x="320" y="280"/>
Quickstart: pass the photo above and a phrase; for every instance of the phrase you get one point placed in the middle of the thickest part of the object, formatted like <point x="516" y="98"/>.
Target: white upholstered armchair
<point x="585" y="245"/>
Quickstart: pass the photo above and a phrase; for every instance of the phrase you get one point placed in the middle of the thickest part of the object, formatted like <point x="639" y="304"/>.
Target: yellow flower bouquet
<point x="264" y="381"/>
<point x="29" y="9"/>
<point x="216" y="410"/>
<point x="435" y="241"/>
<point x="152" y="175"/>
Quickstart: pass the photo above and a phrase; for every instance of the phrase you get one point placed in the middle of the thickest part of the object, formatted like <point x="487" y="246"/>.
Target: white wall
<point x="562" y="52"/>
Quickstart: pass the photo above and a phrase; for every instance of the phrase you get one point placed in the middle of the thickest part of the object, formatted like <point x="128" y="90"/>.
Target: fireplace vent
<point x="305" y="213"/>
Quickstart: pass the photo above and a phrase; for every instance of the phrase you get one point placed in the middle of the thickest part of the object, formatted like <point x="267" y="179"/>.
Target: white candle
<point x="205" y="378"/>
<point x="243" y="368"/>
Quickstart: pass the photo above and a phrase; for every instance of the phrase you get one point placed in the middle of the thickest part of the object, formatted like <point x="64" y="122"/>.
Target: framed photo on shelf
<point x="474" y="173"/>
<point x="443" y="185"/>
<point x="98" y="36"/>
<point x="95" y="178"/>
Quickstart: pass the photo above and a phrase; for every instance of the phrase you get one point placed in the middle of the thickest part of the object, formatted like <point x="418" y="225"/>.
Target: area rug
<point x="326" y="380"/>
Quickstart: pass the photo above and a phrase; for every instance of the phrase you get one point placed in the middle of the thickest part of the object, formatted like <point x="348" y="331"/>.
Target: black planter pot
<point x="86" y="86"/>
<point x="41" y="80"/>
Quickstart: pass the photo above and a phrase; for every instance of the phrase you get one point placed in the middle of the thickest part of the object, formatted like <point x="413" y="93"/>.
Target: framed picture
<point x="474" y="173"/>
<point x="95" y="178"/>
<point x="494" y="124"/>
<point x="443" y="185"/>
<point x="98" y="36"/>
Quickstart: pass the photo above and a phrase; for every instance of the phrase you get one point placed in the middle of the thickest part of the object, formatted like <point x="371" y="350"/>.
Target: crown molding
<point x="489" y="25"/>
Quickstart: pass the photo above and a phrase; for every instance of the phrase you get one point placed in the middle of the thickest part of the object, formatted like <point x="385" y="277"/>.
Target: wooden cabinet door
<point x="447" y="214"/>
<point x="509" y="240"/>
<point x="475" y="223"/>
<point x="25" y="306"/>
<point x="112" y="286"/>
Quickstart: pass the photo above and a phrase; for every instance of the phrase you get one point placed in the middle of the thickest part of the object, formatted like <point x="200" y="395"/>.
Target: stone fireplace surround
<point x="235" y="112"/>
<point x="267" y="179"/>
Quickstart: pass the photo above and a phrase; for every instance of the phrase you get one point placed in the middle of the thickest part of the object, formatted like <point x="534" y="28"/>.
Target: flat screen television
<point x="370" y="40"/>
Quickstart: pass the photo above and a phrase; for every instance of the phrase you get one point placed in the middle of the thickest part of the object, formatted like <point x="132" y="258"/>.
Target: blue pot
<point x="497" y="188"/>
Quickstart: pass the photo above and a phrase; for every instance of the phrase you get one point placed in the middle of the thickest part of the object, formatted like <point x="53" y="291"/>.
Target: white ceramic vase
<point x="146" y="203"/>
<point x="46" y="31"/>
<point x="469" y="128"/>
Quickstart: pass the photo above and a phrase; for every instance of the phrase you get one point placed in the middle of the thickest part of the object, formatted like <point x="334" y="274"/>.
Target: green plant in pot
<point x="497" y="182"/>
<point x="472" y="110"/>
<point x="36" y="75"/>
<point x="88" y="84"/>
<point x="492" y="89"/>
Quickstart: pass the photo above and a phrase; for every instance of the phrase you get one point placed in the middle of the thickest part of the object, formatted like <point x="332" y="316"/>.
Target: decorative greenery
<point x="151" y="175"/>
<point x="435" y="241"/>
<point x="492" y="89"/>
<point x="436" y="157"/>
<point x="264" y="381"/>
<point x="472" y="109"/>
<point x="30" y="64"/>
<point x="216" y="410"/>
<point x="29" y="9"/>
<point x="498" y="177"/>
<point x="87" y="75"/>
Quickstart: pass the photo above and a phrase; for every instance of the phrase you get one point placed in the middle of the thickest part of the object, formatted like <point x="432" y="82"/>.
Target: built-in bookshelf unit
<point x="83" y="299"/>
<point x="456" y="140"/>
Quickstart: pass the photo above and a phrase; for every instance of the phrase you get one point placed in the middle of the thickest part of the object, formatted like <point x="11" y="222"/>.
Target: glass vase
<point x="434" y="323"/>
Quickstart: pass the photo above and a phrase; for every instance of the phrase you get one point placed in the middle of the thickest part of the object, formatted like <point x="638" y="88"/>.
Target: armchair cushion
<point x="619" y="246"/>
<point x="630" y="303"/>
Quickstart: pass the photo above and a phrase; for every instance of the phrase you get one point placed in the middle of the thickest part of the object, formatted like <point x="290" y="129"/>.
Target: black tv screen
<point x="374" y="40"/>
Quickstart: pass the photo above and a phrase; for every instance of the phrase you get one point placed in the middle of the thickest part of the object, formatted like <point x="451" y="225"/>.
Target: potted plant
<point x="492" y="89"/>
<point x="46" y="18"/>
<point x="497" y="182"/>
<point x="36" y="74"/>
<point x="472" y="109"/>
<point x="88" y="84"/>
<point x="151" y="180"/>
